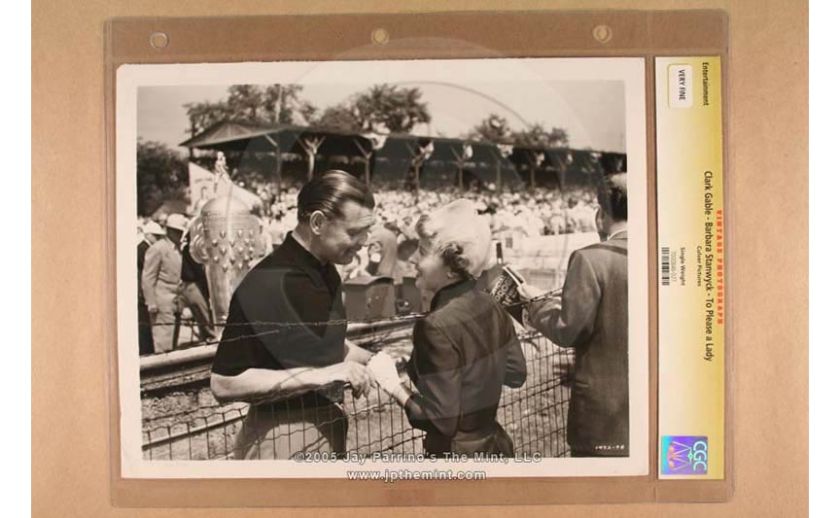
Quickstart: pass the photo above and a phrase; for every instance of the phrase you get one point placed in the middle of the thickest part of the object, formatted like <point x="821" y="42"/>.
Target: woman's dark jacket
<point x="464" y="351"/>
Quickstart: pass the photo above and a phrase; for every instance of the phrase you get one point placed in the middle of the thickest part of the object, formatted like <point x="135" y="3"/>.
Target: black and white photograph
<point x="383" y="269"/>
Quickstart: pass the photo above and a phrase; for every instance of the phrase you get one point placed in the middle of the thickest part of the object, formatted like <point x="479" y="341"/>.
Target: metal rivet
<point x="158" y="40"/>
<point x="380" y="36"/>
<point x="602" y="33"/>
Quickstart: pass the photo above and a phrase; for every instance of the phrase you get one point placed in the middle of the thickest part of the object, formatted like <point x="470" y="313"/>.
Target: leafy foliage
<point x="382" y="108"/>
<point x="258" y="105"/>
<point x="496" y="129"/>
<point x="537" y="135"/>
<point x="161" y="176"/>
<point x="341" y="118"/>
<point x="396" y="109"/>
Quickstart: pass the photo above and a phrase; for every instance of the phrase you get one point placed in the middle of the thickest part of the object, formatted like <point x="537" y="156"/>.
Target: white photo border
<point x="629" y="70"/>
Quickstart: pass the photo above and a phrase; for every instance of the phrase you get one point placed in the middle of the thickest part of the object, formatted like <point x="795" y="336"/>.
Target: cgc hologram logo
<point x="685" y="455"/>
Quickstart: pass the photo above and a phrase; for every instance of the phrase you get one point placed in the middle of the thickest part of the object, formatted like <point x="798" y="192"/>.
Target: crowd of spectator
<point x="526" y="212"/>
<point x="536" y="212"/>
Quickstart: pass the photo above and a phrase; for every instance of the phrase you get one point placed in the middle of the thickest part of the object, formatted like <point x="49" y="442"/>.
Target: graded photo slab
<point x="387" y="270"/>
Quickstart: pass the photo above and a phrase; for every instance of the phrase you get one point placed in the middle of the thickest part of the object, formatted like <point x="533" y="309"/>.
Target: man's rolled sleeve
<point x="570" y="323"/>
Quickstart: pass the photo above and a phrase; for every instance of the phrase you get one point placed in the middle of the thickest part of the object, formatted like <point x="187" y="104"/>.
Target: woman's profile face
<point x="432" y="273"/>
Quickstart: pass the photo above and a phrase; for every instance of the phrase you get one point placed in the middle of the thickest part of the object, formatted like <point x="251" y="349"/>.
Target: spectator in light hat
<point x="161" y="279"/>
<point x="153" y="229"/>
<point x="149" y="233"/>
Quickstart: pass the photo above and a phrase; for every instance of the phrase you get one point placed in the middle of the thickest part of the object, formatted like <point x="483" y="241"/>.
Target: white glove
<point x="384" y="370"/>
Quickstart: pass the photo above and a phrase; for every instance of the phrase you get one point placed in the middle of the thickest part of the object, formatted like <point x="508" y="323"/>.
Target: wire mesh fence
<point x="534" y="416"/>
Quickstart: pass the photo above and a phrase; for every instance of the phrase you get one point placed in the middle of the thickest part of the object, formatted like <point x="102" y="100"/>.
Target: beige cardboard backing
<point x="74" y="473"/>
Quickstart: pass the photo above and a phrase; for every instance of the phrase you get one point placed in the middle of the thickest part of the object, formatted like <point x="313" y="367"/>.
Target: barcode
<point x="666" y="265"/>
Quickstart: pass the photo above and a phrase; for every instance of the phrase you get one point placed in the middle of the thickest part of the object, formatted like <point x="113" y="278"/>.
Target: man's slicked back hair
<point x="612" y="195"/>
<point x="329" y="191"/>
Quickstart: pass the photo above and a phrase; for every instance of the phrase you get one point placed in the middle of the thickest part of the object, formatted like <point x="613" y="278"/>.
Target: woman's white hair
<point x="457" y="231"/>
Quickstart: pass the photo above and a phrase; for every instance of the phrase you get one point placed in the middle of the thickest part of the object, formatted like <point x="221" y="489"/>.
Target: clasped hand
<point x="384" y="371"/>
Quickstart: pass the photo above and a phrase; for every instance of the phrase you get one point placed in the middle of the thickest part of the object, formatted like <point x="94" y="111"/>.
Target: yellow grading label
<point x="689" y="149"/>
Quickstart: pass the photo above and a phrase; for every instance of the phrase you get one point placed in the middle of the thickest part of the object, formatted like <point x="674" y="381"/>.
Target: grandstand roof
<point x="234" y="135"/>
<point x="225" y="132"/>
<point x="244" y="136"/>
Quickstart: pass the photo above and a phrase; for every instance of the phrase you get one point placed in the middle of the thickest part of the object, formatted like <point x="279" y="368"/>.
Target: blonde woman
<point x="465" y="349"/>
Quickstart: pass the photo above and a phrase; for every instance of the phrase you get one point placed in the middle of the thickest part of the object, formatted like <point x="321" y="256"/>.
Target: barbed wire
<point x="534" y="415"/>
<point x="342" y="321"/>
<point x="376" y="397"/>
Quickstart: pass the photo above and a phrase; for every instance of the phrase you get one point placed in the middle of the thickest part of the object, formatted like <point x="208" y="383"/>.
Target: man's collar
<point x="618" y="234"/>
<point x="451" y="291"/>
<point x="297" y="247"/>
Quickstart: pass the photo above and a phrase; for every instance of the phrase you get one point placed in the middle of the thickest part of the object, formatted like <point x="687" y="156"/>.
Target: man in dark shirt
<point x="284" y="344"/>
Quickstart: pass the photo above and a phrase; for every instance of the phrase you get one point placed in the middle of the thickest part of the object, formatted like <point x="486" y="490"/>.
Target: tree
<point x="202" y="115"/>
<point x="397" y="109"/>
<point x="258" y="105"/>
<point x="341" y="118"/>
<point x="536" y="135"/>
<point x="246" y="102"/>
<point x="161" y="175"/>
<point x="496" y="129"/>
<point x="282" y="102"/>
<point x="380" y="108"/>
